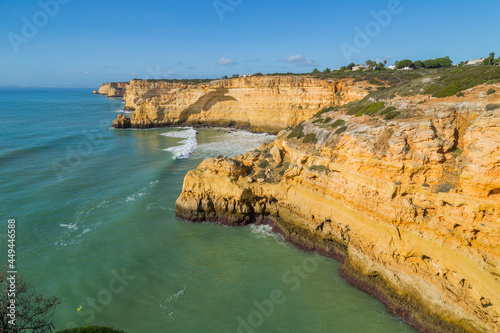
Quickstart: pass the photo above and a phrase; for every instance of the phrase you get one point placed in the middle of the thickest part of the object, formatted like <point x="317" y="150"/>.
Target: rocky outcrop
<point x="261" y="103"/>
<point x="139" y="91"/>
<point x="113" y="89"/>
<point x="121" y="122"/>
<point x="410" y="207"/>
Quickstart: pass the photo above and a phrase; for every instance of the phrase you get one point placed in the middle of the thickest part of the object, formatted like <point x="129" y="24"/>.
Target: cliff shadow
<point x="205" y="102"/>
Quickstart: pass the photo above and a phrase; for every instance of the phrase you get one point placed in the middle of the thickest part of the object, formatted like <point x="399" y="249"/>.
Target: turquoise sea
<point x="94" y="210"/>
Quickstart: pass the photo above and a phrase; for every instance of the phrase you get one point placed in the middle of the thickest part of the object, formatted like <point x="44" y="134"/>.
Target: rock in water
<point x="121" y="122"/>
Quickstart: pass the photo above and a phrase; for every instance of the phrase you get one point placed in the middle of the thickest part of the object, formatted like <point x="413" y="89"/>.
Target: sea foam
<point x="188" y="145"/>
<point x="232" y="143"/>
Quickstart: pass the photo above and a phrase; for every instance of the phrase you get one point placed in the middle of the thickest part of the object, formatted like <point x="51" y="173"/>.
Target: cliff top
<point x="438" y="82"/>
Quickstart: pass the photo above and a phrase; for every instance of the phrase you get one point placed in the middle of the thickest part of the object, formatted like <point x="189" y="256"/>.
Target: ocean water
<point x="94" y="210"/>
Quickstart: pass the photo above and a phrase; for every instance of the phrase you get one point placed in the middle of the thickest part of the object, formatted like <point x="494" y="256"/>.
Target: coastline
<point x="397" y="203"/>
<point x="401" y="306"/>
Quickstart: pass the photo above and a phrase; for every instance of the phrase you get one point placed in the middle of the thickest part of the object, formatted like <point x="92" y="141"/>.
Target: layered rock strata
<point x="410" y="207"/>
<point x="260" y="103"/>
<point x="113" y="89"/>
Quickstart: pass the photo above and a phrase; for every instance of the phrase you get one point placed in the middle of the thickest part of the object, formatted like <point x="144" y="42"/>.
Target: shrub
<point x="317" y="168"/>
<point x="341" y="130"/>
<point x="392" y="115"/>
<point x="460" y="94"/>
<point x="327" y="120"/>
<point x="338" y="122"/>
<point x="310" y="138"/>
<point x="491" y="107"/>
<point x="490" y="91"/>
<point x="91" y="329"/>
<point x="296" y="132"/>
<point x="388" y="110"/>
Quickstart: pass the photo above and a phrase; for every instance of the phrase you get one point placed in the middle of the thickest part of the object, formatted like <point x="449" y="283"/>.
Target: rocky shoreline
<point x="410" y="207"/>
<point x="407" y="308"/>
<point x="401" y="204"/>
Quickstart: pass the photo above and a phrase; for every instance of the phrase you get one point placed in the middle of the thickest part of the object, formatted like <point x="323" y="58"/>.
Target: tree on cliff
<point x="327" y="71"/>
<point x="380" y="66"/>
<point x="34" y="311"/>
<point x="404" y="63"/>
<point x="438" y="62"/>
<point x="370" y="64"/>
<point x="490" y="60"/>
<point x="418" y="64"/>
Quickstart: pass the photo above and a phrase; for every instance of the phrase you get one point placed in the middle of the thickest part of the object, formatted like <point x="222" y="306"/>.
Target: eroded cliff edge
<point x="409" y="206"/>
<point x="259" y="103"/>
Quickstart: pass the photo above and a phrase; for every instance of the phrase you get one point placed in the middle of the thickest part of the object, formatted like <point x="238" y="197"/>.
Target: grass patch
<point x="454" y="80"/>
<point x="370" y="109"/>
<point x="338" y="122"/>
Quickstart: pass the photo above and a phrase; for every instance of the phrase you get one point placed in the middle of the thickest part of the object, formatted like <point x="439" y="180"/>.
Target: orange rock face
<point x="261" y="104"/>
<point x="113" y="89"/>
<point x="411" y="207"/>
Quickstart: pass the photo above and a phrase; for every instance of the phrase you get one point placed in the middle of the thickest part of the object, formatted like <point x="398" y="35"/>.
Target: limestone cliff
<point x="113" y="89"/>
<point x="409" y="206"/>
<point x="260" y="103"/>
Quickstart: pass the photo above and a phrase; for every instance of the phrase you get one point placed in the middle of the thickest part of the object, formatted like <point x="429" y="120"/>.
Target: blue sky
<point x="89" y="42"/>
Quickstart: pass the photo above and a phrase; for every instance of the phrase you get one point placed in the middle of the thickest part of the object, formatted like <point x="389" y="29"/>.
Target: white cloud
<point x="225" y="61"/>
<point x="299" y="60"/>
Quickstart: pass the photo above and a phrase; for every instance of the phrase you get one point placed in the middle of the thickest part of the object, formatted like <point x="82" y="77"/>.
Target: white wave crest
<point x="262" y="231"/>
<point x="188" y="145"/>
<point x="123" y="111"/>
<point x="232" y="143"/>
<point x="69" y="226"/>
